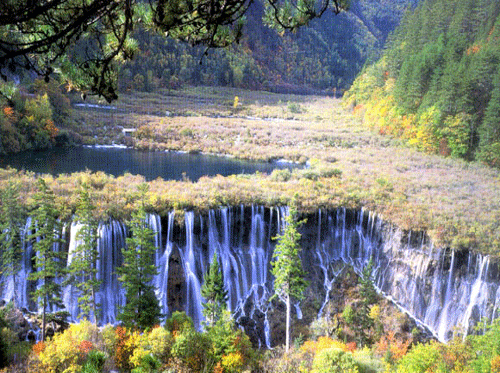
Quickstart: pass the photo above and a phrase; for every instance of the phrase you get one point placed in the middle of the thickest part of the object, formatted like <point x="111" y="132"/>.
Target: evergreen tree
<point x="49" y="261"/>
<point x="10" y="233"/>
<point x="83" y="268"/>
<point x="289" y="281"/>
<point x="142" y="309"/>
<point x="214" y="293"/>
<point x="362" y="321"/>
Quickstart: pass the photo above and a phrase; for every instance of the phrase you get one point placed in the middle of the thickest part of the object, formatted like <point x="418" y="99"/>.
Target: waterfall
<point x="443" y="290"/>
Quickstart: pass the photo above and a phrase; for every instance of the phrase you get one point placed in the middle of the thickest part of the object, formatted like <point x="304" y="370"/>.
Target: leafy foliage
<point x="334" y="360"/>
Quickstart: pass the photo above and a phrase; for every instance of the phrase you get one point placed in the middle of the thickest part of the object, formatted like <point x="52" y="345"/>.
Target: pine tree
<point x="10" y="233"/>
<point x="49" y="261"/>
<point x="83" y="268"/>
<point x="142" y="309"/>
<point x="362" y="321"/>
<point x="214" y="293"/>
<point x="289" y="276"/>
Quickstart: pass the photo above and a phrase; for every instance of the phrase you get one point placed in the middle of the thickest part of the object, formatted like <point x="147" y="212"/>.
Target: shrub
<point x="277" y="361"/>
<point x="194" y="351"/>
<point x="95" y="362"/>
<point x="422" y="358"/>
<point x="126" y="343"/>
<point x="147" y="364"/>
<point x="334" y="360"/>
<point x="179" y="322"/>
<point x="281" y="175"/>
<point x="160" y="342"/>
<point x="62" y="354"/>
<point x="323" y="343"/>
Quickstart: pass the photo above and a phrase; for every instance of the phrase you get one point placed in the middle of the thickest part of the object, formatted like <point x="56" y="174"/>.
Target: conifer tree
<point x="83" y="268"/>
<point x="49" y="261"/>
<point x="214" y="293"/>
<point x="142" y="309"/>
<point x="289" y="276"/>
<point x="10" y="234"/>
<point x="362" y="321"/>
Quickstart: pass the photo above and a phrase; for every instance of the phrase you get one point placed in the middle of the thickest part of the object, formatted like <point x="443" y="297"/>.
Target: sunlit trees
<point x="440" y="68"/>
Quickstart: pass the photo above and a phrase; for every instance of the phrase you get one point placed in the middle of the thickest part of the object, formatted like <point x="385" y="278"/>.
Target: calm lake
<point x="117" y="161"/>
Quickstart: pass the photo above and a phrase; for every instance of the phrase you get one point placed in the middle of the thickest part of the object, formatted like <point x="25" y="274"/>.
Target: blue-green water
<point x="117" y="161"/>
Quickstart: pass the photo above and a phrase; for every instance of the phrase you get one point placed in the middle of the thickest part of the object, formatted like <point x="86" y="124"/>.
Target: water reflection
<point x="117" y="161"/>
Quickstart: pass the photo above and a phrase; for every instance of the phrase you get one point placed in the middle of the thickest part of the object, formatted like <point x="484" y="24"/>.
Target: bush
<point x="281" y="175"/>
<point x="193" y="351"/>
<point x="179" y="322"/>
<point x="334" y="360"/>
<point x="422" y="358"/>
<point x="95" y="362"/>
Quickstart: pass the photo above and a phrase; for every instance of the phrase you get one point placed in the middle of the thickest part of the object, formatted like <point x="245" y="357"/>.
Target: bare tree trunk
<point x="94" y="310"/>
<point x="288" y="311"/>
<point x="43" y="319"/>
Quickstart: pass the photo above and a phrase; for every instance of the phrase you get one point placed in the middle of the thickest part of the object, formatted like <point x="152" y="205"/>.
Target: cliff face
<point x="442" y="290"/>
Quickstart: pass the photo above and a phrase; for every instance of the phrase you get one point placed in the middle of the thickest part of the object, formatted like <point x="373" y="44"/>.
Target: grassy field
<point x="457" y="203"/>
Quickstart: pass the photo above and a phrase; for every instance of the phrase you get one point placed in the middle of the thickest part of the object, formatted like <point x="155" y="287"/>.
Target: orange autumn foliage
<point x="8" y="112"/>
<point x="389" y="343"/>
<point x="39" y="347"/>
<point x="85" y="347"/>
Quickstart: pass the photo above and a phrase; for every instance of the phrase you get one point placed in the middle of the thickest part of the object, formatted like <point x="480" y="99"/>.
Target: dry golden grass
<point x="457" y="203"/>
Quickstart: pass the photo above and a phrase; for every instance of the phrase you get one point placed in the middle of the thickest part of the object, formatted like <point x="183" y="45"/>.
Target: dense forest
<point x="325" y="56"/>
<point x="437" y="85"/>
<point x="322" y="58"/>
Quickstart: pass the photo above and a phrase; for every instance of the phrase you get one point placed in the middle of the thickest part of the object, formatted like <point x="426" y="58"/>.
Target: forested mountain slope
<point x="437" y="85"/>
<point x="327" y="54"/>
<point x="324" y="57"/>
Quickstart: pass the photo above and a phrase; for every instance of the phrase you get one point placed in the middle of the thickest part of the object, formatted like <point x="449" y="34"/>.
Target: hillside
<point x="437" y="85"/>
<point x="326" y="55"/>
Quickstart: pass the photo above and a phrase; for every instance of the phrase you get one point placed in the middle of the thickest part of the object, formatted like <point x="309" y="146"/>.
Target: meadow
<point x="456" y="202"/>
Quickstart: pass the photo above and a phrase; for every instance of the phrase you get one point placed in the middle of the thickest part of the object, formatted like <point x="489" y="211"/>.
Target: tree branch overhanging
<point x="84" y="39"/>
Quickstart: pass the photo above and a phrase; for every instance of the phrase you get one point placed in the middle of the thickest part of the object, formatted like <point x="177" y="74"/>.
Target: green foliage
<point x="3" y="343"/>
<point x="83" y="271"/>
<point x="94" y="362"/>
<point x="25" y="122"/>
<point x="334" y="360"/>
<point x="214" y="292"/>
<point x="11" y="220"/>
<point x="142" y="309"/>
<point x="437" y="84"/>
<point x="179" y="322"/>
<point x="422" y="358"/>
<point x="49" y="261"/>
<point x="71" y="350"/>
<point x="193" y="350"/>
<point x="289" y="276"/>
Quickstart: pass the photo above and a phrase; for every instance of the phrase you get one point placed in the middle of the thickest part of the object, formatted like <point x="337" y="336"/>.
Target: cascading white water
<point x="441" y="289"/>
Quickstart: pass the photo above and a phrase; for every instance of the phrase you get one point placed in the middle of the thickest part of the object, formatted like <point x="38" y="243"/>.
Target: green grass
<point x="456" y="202"/>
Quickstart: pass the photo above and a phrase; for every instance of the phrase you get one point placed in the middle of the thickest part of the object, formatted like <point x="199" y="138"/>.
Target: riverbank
<point x="455" y="202"/>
